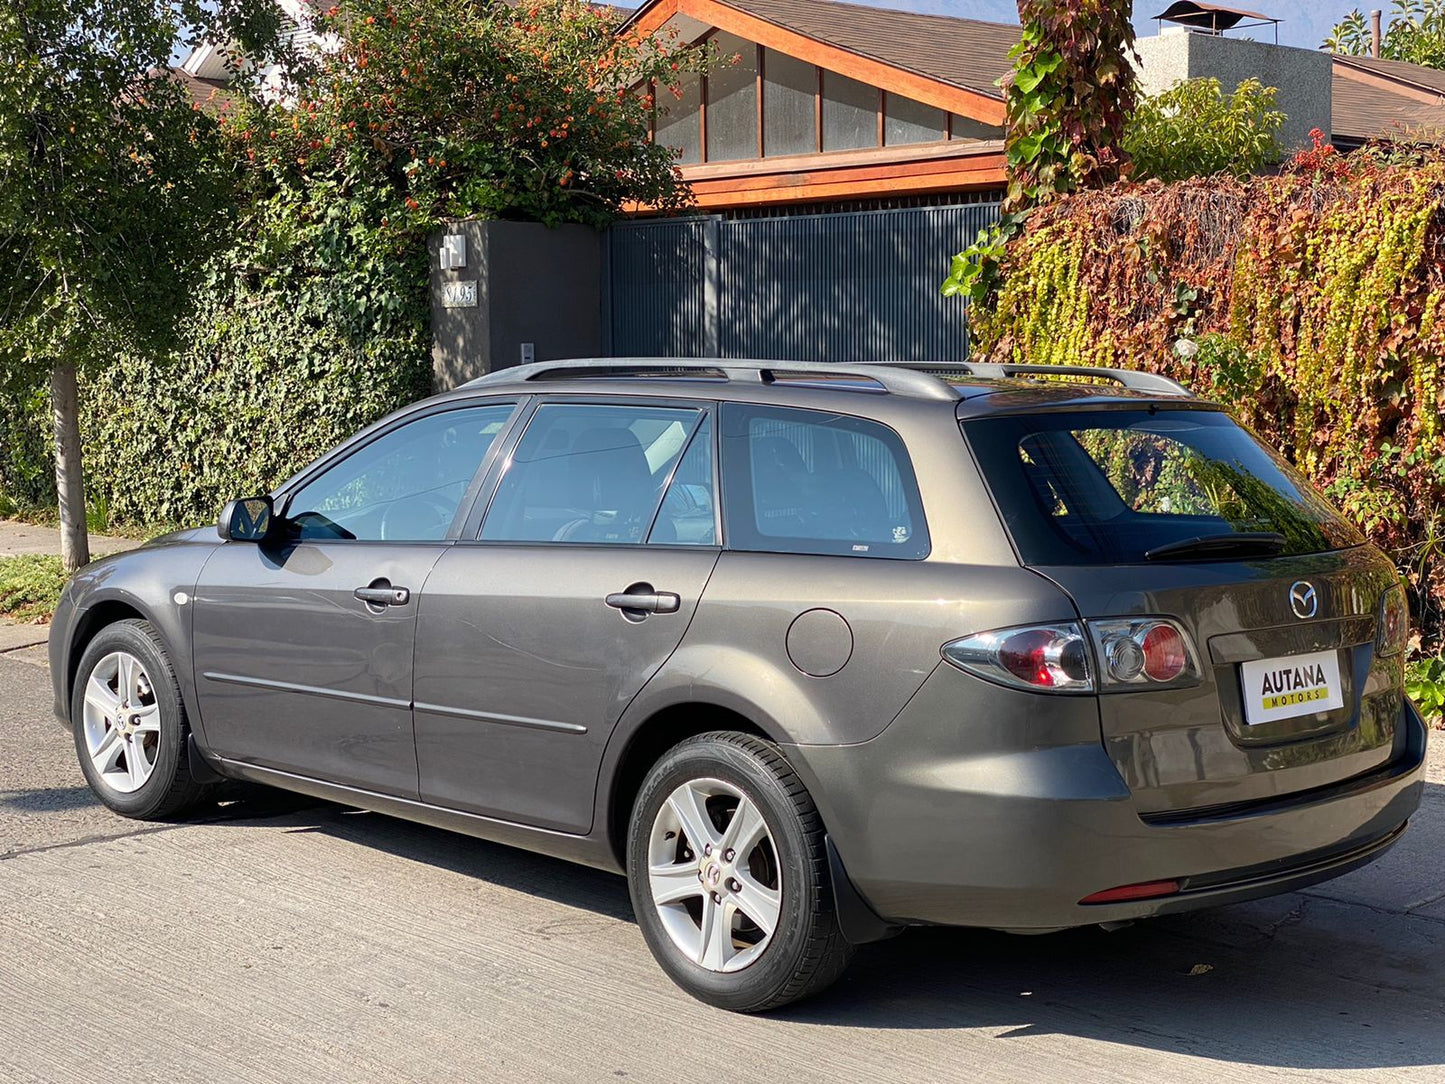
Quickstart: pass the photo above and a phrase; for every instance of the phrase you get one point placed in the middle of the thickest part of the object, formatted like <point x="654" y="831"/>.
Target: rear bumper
<point x="931" y="833"/>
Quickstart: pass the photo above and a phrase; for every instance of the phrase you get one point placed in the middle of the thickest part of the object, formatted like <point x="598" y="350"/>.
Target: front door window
<point x="404" y="486"/>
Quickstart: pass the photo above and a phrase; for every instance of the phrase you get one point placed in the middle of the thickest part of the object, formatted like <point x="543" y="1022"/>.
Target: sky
<point x="1303" y="23"/>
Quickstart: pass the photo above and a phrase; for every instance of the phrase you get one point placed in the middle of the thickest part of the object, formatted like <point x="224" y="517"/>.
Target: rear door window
<point x="1114" y="486"/>
<point x="809" y="481"/>
<point x="596" y="473"/>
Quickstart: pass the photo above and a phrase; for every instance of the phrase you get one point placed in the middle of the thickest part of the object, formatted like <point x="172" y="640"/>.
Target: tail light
<point x="1137" y="652"/>
<point x="1040" y="658"/>
<point x="1393" y="626"/>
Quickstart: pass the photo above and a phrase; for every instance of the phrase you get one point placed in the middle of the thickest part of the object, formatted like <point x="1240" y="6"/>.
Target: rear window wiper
<point x="1234" y="543"/>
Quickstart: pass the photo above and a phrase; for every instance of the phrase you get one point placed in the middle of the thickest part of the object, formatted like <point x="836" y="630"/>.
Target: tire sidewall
<point x="134" y="638"/>
<point x="754" y="984"/>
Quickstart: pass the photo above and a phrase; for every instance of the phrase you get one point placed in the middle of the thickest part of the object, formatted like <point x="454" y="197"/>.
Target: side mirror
<point x="247" y="519"/>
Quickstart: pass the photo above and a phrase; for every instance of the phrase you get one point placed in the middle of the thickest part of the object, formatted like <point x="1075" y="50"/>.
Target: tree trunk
<point x="69" y="479"/>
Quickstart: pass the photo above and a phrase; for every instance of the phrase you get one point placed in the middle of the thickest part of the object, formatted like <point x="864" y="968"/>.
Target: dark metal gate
<point x="847" y="286"/>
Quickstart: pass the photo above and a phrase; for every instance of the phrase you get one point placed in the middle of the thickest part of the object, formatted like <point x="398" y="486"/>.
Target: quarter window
<point x="589" y="473"/>
<point x="687" y="517"/>
<point x="805" y="481"/>
<point x="404" y="486"/>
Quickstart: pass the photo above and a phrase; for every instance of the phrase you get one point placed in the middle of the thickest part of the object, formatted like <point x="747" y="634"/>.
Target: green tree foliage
<point x="310" y="317"/>
<point x="1193" y="129"/>
<point x="428" y="109"/>
<point x="1415" y="33"/>
<point x="110" y="192"/>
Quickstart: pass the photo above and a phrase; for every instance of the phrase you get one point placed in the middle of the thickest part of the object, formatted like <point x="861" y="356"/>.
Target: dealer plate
<point x="1291" y="685"/>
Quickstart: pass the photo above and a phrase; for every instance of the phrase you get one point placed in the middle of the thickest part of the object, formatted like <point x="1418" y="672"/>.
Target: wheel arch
<point x="109" y="609"/>
<point x="89" y="624"/>
<point x="647" y="742"/>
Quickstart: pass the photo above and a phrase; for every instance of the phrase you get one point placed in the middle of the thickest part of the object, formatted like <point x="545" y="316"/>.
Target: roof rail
<point x="1128" y="378"/>
<point x="899" y="380"/>
<point x="917" y="379"/>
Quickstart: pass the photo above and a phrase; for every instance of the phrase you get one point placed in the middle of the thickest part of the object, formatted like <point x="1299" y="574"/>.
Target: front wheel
<point x="130" y="725"/>
<point x="729" y="876"/>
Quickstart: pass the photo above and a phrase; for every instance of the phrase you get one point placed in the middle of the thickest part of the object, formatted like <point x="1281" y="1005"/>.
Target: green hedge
<point x="267" y="383"/>
<point x="269" y="378"/>
<point x="27" y="472"/>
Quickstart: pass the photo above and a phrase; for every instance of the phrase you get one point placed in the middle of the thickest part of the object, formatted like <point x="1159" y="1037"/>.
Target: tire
<point x="141" y="767"/>
<point x="783" y="875"/>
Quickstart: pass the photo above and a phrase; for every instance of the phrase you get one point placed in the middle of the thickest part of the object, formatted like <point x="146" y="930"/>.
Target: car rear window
<point x="808" y="481"/>
<point x="1110" y="486"/>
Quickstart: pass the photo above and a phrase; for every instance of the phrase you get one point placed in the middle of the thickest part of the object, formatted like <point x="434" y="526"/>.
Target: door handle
<point x="383" y="596"/>
<point x="645" y="602"/>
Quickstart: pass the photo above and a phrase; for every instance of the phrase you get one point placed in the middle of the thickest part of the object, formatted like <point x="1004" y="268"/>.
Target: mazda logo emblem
<point x="1304" y="600"/>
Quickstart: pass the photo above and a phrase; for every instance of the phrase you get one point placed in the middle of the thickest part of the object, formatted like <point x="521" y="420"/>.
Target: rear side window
<point x="1113" y="487"/>
<point x="590" y="473"/>
<point x="808" y="481"/>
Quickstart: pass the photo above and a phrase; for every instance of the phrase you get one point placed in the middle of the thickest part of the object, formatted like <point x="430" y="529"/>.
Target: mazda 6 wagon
<point x="811" y="653"/>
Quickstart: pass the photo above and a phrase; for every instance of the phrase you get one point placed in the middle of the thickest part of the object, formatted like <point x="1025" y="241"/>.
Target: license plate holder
<point x="1288" y="686"/>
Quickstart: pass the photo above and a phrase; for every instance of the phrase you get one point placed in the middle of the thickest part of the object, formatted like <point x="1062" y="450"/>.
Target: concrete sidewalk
<point x="17" y="538"/>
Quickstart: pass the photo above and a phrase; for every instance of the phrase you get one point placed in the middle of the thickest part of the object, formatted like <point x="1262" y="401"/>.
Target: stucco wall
<point x="1303" y="77"/>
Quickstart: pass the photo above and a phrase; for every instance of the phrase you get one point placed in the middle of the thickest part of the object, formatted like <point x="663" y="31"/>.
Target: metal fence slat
<point x="845" y="286"/>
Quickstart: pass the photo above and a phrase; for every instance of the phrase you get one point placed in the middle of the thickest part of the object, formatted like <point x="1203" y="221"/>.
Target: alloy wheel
<point x="714" y="875"/>
<point x="122" y="722"/>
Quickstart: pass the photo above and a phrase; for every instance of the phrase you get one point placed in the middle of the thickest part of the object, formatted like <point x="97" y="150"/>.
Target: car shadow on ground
<point x="1293" y="982"/>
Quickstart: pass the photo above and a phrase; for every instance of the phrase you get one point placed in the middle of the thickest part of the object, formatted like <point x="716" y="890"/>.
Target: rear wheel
<point x="729" y="876"/>
<point x="130" y="725"/>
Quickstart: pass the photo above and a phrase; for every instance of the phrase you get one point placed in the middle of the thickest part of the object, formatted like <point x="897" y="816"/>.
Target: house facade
<point x="818" y="102"/>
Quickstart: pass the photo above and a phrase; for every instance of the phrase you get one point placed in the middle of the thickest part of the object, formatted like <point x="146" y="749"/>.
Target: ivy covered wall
<point x="1312" y="304"/>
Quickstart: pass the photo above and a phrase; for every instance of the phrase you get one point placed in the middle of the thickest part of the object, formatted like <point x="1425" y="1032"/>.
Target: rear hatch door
<point x="1248" y="731"/>
<point x="1175" y="511"/>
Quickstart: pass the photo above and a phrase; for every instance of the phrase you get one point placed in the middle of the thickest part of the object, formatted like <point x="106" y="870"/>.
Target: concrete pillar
<point x="1304" y="78"/>
<point x="523" y="292"/>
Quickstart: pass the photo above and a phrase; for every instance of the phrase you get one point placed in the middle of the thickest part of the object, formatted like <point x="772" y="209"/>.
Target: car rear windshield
<point x="1125" y="486"/>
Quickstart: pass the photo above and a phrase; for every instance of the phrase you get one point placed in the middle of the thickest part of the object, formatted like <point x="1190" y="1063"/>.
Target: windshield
<point x="1124" y="486"/>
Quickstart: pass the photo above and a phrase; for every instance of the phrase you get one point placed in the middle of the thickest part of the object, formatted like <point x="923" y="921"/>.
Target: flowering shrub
<point x="1312" y="303"/>
<point x="474" y="109"/>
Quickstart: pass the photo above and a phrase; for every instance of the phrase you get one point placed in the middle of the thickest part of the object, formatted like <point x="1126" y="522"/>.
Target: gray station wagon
<point x="812" y="653"/>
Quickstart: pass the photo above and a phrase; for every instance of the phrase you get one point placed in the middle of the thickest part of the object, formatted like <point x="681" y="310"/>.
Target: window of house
<point x="679" y="120"/>
<point x="732" y="101"/>
<point x="807" y="481"/>
<point x="790" y="105"/>
<point x="850" y="113"/>
<point x="906" y="121"/>
<point x="968" y="129"/>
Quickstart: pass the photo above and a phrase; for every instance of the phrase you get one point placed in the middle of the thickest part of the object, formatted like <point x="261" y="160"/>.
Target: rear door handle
<point x="383" y="596"/>
<point x="655" y="602"/>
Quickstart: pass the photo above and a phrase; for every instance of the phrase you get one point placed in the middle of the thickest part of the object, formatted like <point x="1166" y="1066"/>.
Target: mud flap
<point x="859" y="923"/>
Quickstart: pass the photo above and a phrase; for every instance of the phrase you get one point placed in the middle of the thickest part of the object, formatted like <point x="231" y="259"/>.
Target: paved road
<point x="283" y="940"/>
